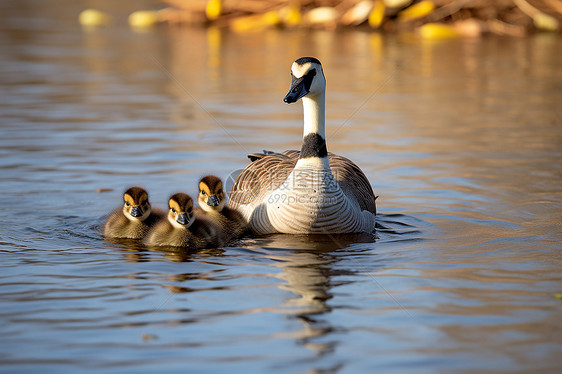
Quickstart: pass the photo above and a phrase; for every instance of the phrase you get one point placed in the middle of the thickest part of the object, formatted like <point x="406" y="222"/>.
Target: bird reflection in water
<point x="307" y="264"/>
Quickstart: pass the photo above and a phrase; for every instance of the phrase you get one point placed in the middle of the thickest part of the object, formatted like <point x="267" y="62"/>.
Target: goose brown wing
<point x="353" y="182"/>
<point x="266" y="173"/>
<point x="291" y="153"/>
<point x="259" y="155"/>
<point x="269" y="170"/>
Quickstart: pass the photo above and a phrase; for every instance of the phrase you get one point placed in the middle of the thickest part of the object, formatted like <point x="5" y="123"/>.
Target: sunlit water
<point x="462" y="141"/>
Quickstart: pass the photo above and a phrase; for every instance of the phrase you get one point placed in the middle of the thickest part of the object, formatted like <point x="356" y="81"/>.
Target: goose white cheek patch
<point x="300" y="70"/>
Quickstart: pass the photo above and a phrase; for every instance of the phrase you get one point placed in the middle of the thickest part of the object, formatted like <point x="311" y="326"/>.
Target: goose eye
<point x="173" y="210"/>
<point x="203" y="193"/>
<point x="127" y="203"/>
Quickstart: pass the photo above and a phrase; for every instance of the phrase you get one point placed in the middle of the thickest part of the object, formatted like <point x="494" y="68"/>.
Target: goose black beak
<point x="296" y="91"/>
<point x="136" y="211"/>
<point x="213" y="201"/>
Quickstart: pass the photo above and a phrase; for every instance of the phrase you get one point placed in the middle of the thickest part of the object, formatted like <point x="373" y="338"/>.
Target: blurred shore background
<point x="428" y="18"/>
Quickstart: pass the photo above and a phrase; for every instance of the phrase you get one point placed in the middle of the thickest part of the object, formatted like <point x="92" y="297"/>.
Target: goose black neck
<point x="313" y="145"/>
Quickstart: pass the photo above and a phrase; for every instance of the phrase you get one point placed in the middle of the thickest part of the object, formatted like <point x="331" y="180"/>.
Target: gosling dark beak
<point x="136" y="211"/>
<point x="296" y="91"/>
<point x="213" y="201"/>
<point x="183" y="219"/>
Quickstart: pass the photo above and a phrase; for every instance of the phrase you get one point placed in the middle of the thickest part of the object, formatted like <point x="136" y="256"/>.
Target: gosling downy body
<point x="310" y="191"/>
<point x="181" y="228"/>
<point x="212" y="203"/>
<point x="134" y="219"/>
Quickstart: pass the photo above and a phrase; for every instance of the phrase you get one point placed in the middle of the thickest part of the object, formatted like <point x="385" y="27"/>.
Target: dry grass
<point x="512" y="17"/>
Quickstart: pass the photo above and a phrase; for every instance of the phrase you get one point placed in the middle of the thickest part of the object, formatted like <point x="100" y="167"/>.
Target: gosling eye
<point x="220" y="192"/>
<point x="190" y="210"/>
<point x="203" y="193"/>
<point x="127" y="203"/>
<point x="173" y="210"/>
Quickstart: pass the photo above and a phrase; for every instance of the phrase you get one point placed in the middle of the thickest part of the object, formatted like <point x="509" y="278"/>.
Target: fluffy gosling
<point x="212" y="203"/>
<point x="183" y="228"/>
<point x="134" y="219"/>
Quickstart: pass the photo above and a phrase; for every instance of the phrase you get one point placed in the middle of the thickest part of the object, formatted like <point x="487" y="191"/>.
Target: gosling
<point x="212" y="202"/>
<point x="183" y="228"/>
<point x="134" y="219"/>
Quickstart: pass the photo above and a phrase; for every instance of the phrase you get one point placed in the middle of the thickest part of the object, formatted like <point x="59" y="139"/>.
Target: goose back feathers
<point x="269" y="171"/>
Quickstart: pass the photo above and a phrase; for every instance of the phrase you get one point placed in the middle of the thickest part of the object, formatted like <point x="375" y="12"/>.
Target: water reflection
<point x="187" y="255"/>
<point x="307" y="263"/>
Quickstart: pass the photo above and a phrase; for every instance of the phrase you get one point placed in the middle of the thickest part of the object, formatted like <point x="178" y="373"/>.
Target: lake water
<point x="462" y="141"/>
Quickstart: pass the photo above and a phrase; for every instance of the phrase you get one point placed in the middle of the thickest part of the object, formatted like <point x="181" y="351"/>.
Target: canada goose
<point x="307" y="192"/>
<point x="134" y="218"/>
<point x="182" y="228"/>
<point x="212" y="202"/>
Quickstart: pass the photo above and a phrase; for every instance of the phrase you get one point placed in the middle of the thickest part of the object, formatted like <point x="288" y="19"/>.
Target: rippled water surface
<point x="462" y="141"/>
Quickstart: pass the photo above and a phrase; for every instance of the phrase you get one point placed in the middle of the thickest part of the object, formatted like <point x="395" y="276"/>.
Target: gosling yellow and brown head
<point x="181" y="213"/>
<point x="211" y="195"/>
<point x="135" y="204"/>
